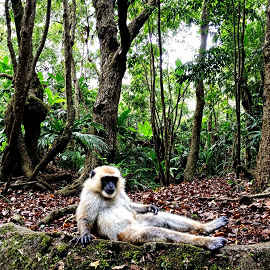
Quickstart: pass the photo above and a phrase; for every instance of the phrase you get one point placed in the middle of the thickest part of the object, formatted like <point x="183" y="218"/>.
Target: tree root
<point x="247" y="173"/>
<point x="71" y="189"/>
<point x="41" y="182"/>
<point x="38" y="185"/>
<point x="243" y="199"/>
<point x="57" y="177"/>
<point x="58" y="213"/>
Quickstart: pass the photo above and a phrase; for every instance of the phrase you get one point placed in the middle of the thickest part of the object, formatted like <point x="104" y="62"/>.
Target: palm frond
<point x="91" y="141"/>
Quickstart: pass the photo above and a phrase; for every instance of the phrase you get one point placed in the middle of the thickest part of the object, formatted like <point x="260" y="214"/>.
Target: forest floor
<point x="203" y="200"/>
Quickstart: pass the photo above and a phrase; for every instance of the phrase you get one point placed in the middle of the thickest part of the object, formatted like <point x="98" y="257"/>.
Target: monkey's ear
<point x="92" y="173"/>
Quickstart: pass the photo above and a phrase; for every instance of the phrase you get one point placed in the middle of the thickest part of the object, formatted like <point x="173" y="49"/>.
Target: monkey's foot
<point x="216" y="243"/>
<point x="216" y="224"/>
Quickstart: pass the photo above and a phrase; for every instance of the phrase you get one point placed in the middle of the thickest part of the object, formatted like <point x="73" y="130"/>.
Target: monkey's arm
<point x="86" y="215"/>
<point x="144" y="208"/>
<point x="85" y="233"/>
<point x="138" y="207"/>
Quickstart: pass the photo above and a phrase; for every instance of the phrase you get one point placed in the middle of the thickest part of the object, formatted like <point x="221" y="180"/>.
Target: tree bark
<point x="262" y="172"/>
<point x="190" y="170"/>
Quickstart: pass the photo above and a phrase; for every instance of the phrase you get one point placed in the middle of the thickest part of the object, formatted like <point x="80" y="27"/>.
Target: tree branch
<point x="43" y="39"/>
<point x="58" y="213"/>
<point x="17" y="8"/>
<point x="7" y="76"/>
<point x="122" y="7"/>
<point x="107" y="35"/>
<point x="128" y="33"/>
<point x="138" y="22"/>
<point x="73" y="21"/>
<point x="9" y="42"/>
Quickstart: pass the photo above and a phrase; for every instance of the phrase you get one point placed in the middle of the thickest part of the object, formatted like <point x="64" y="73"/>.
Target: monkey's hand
<point x="84" y="239"/>
<point x="154" y="209"/>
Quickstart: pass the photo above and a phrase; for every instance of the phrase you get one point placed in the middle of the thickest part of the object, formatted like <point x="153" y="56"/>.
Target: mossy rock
<point x="21" y="248"/>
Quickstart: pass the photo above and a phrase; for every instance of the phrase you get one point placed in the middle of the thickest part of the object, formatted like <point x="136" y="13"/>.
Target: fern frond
<point x="91" y="141"/>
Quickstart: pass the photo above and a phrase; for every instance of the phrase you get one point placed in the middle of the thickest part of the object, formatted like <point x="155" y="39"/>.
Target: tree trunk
<point x="158" y="143"/>
<point x="61" y="142"/>
<point x="113" y="66"/>
<point x="35" y="112"/>
<point x="262" y="172"/>
<point x="28" y="90"/>
<point x="163" y="105"/>
<point x="197" y="122"/>
<point x="239" y="61"/>
<point x="26" y="106"/>
<point x="23" y="74"/>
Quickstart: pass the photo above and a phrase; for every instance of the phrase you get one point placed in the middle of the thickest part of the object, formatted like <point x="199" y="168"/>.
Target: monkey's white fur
<point x="115" y="217"/>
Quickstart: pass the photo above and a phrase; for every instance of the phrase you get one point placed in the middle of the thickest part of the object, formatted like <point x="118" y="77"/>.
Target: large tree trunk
<point x="23" y="73"/>
<point x="197" y="122"/>
<point x="26" y="106"/>
<point x="35" y="110"/>
<point x="61" y="142"/>
<point x="113" y="66"/>
<point x="23" y="151"/>
<point x="262" y="173"/>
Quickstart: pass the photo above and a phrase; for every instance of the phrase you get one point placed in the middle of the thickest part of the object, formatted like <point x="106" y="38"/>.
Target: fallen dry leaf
<point x="249" y="222"/>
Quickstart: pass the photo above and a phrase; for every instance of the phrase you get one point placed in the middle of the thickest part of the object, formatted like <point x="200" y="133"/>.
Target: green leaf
<point x="81" y="79"/>
<point x="48" y="92"/>
<point x="145" y="129"/>
<point x="6" y="60"/>
<point x="179" y="67"/>
<point x="122" y="117"/>
<point x="59" y="77"/>
<point x="40" y="76"/>
<point x="178" y="62"/>
<point x="97" y="126"/>
<point x="92" y="141"/>
<point x="132" y="129"/>
<point x="53" y="99"/>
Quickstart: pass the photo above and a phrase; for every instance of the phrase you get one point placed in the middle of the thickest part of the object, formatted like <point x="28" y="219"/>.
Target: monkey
<point x="106" y="211"/>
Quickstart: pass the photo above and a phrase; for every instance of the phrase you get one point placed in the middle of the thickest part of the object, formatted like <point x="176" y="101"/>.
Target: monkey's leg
<point x="141" y="235"/>
<point x="180" y="223"/>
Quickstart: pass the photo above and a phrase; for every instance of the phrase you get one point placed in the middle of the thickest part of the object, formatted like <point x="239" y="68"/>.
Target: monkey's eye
<point x="92" y="173"/>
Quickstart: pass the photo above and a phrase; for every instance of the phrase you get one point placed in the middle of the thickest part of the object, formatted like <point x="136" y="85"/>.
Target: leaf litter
<point x="203" y="200"/>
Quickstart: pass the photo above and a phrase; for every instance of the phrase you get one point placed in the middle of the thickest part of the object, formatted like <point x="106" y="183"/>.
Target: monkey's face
<point x="105" y="180"/>
<point x="108" y="185"/>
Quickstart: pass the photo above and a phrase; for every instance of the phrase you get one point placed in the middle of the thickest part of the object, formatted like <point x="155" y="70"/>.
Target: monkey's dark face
<point x="108" y="185"/>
